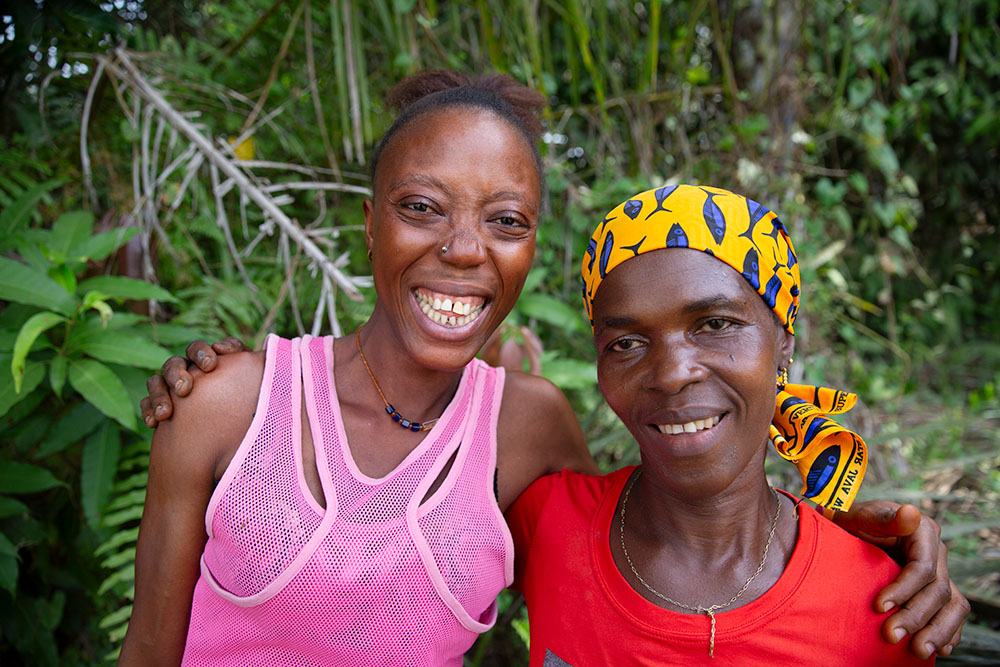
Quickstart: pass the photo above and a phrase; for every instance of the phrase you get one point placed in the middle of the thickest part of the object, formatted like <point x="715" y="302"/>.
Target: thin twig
<point x="88" y="174"/>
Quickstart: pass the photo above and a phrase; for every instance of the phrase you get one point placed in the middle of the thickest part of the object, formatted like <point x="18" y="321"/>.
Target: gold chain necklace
<point x="699" y="609"/>
<point x="391" y="411"/>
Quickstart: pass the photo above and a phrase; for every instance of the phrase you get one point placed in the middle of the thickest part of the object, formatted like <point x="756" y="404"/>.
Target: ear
<point x="786" y="347"/>
<point x="367" y="207"/>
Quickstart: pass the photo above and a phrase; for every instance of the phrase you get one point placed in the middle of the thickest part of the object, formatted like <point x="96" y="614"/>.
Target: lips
<point x="693" y="426"/>
<point x="449" y="310"/>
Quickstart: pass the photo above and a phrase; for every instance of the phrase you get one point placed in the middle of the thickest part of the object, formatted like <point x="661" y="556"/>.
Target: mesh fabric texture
<point x="377" y="578"/>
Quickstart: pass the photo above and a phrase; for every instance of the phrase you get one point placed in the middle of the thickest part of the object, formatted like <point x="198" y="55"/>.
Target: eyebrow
<point x="431" y="181"/>
<point x="708" y="303"/>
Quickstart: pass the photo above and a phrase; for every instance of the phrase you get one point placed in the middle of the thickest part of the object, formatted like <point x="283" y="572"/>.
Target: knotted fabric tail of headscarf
<point x="753" y="241"/>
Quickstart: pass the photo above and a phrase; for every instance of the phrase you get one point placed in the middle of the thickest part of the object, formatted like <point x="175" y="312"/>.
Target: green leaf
<point x="57" y="374"/>
<point x="103" y="389"/>
<point x="100" y="461"/>
<point x="69" y="231"/>
<point x="570" y="373"/>
<point x="34" y="372"/>
<point x="34" y="327"/>
<point x="100" y="246"/>
<point x="11" y="507"/>
<point x="8" y="564"/>
<point x="14" y="216"/>
<point x="121" y="287"/>
<point x="17" y="477"/>
<point x="118" y="347"/>
<point x="25" y="285"/>
<point x="95" y="300"/>
<point x="550" y="309"/>
<point x="74" y="426"/>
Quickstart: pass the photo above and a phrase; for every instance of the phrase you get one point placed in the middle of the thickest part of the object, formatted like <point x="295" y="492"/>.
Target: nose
<point x="673" y="364"/>
<point x="465" y="246"/>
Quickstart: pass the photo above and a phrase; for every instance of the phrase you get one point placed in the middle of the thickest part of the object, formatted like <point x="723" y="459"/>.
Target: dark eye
<point x="510" y="221"/>
<point x="417" y="206"/>
<point x="625" y="345"/>
<point x="717" y="324"/>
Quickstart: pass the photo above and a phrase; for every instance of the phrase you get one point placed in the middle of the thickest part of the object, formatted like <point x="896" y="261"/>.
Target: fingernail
<point x="930" y="648"/>
<point x="150" y="422"/>
<point x="161" y="411"/>
<point x="887" y="605"/>
<point x="898" y="634"/>
<point x="178" y="386"/>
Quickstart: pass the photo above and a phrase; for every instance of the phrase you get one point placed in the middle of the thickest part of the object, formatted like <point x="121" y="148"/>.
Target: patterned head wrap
<point x="749" y="238"/>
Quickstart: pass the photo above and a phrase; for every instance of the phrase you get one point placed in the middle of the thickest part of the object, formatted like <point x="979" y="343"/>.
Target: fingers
<point x="176" y="376"/>
<point x="879" y="519"/>
<point x="925" y="562"/>
<point x="157" y="406"/>
<point x="202" y="355"/>
<point x="228" y="345"/>
<point x="934" y="616"/>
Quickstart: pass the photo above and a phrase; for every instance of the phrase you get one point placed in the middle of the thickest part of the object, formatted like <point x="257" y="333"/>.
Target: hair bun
<point x="524" y="101"/>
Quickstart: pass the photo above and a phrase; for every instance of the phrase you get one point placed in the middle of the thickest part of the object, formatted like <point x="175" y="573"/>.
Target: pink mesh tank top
<point x="377" y="578"/>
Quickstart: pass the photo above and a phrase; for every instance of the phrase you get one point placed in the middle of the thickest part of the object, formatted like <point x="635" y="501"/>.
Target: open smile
<point x="690" y="427"/>
<point x="449" y="310"/>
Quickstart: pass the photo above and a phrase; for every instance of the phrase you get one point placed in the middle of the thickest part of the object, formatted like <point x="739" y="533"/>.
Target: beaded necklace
<point x="391" y="411"/>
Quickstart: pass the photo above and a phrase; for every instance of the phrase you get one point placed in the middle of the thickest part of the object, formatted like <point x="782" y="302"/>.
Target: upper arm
<point x="183" y="467"/>
<point x="538" y="434"/>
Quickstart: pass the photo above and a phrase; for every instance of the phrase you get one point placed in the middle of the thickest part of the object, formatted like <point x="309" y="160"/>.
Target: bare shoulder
<point x="538" y="434"/>
<point x="209" y="423"/>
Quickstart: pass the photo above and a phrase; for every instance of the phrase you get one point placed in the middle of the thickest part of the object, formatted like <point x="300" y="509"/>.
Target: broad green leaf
<point x="570" y="373"/>
<point x="103" y="389"/>
<point x="118" y="347"/>
<point x="99" y="246"/>
<point x="14" y="216"/>
<point x="11" y="507"/>
<point x="169" y="334"/>
<point x="25" y="285"/>
<point x="68" y="232"/>
<point x="50" y="611"/>
<point x="63" y="276"/>
<point x="8" y="564"/>
<point x="95" y="300"/>
<point x="57" y="374"/>
<point x="74" y="426"/>
<point x="100" y="460"/>
<point x="18" y="477"/>
<point x="550" y="309"/>
<point x="34" y="372"/>
<point x="34" y="327"/>
<point x="121" y="287"/>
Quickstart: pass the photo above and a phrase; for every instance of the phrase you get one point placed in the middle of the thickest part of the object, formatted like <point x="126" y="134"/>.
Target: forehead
<point x="459" y="139"/>
<point x="667" y="281"/>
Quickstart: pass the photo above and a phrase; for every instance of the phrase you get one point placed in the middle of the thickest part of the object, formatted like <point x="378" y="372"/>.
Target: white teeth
<point x="461" y="313"/>
<point x="689" y="427"/>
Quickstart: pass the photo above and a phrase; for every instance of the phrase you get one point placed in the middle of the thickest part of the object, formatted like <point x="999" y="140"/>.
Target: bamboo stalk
<point x="314" y="85"/>
<point x="282" y="51"/>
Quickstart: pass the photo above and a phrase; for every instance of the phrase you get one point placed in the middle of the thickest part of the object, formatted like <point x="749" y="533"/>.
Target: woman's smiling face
<point x="687" y="355"/>
<point x="462" y="179"/>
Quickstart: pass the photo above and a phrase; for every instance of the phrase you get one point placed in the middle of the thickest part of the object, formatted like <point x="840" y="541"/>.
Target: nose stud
<point x="444" y="249"/>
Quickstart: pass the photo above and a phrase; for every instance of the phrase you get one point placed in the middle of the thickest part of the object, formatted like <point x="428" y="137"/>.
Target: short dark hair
<point x="432" y="90"/>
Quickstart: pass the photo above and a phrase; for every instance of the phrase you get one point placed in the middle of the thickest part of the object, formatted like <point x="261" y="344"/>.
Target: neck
<point x="694" y="526"/>
<point x="417" y="392"/>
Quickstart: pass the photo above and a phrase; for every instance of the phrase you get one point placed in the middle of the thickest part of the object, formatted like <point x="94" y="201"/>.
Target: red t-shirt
<point x="583" y="612"/>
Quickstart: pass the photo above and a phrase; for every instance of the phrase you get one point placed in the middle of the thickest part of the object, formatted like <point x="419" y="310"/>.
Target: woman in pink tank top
<point x="332" y="501"/>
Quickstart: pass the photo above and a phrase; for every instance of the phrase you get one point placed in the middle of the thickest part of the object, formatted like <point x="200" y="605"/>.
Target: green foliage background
<point x="871" y="127"/>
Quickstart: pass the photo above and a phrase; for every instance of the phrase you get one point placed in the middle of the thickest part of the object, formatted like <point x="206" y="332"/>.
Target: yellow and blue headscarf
<point x="752" y="240"/>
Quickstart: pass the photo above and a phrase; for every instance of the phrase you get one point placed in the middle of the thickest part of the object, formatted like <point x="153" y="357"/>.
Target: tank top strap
<point x="358" y="497"/>
<point x="261" y="504"/>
